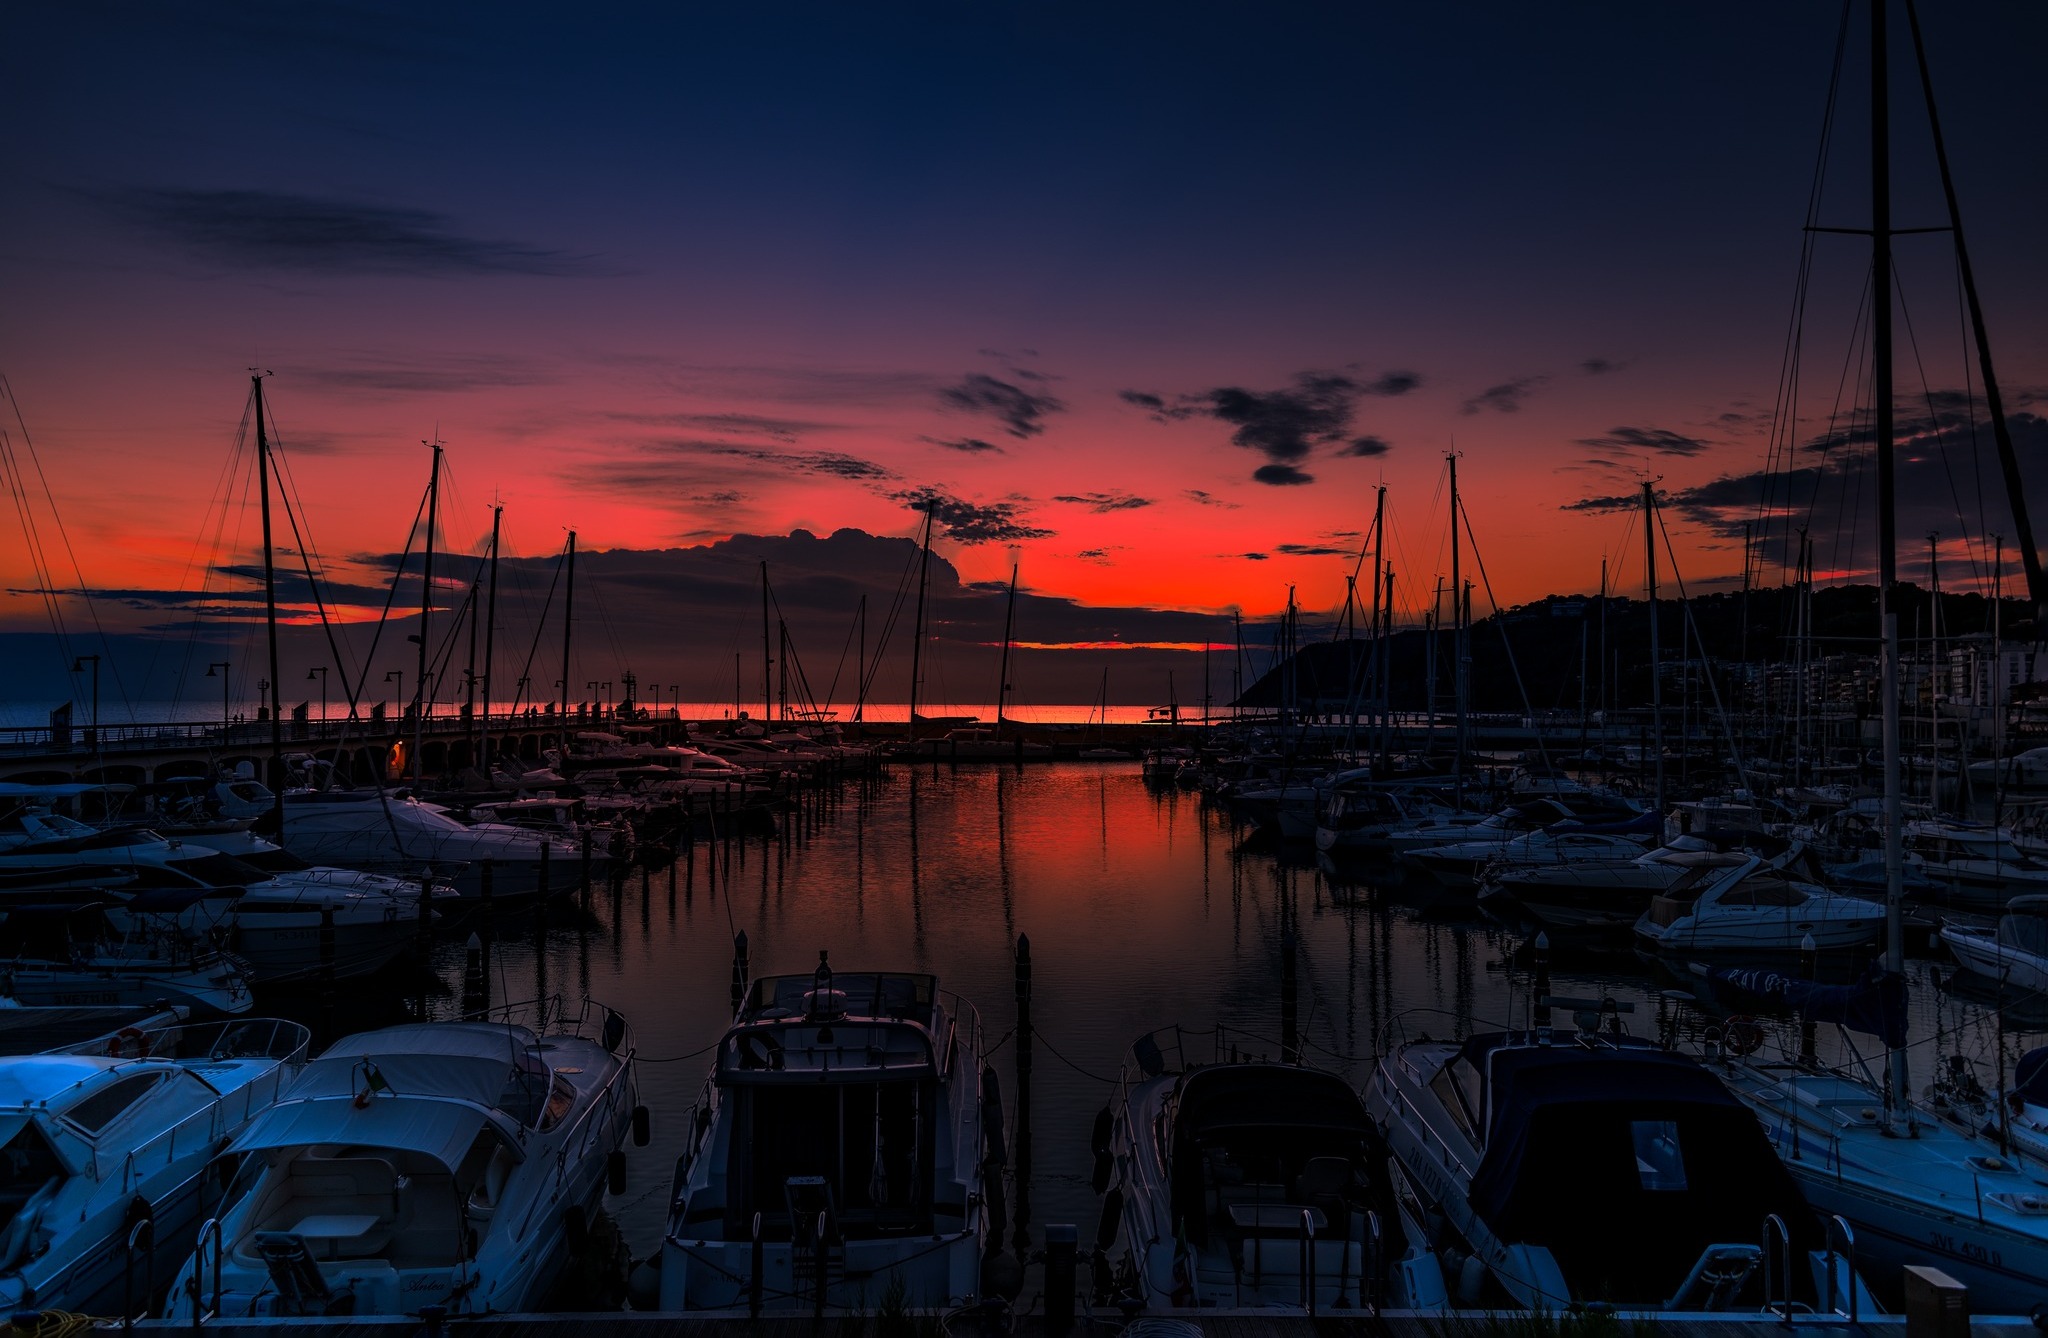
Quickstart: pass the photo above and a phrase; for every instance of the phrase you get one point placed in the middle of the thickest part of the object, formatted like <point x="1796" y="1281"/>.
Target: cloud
<point x="1144" y="399"/>
<point x="972" y="522"/>
<point x="1603" y="366"/>
<point x="833" y="464"/>
<point x="1254" y="557"/>
<point x="1314" y="550"/>
<point x="1392" y="383"/>
<point x="1203" y="498"/>
<point x="426" y="376"/>
<point x="1021" y="412"/>
<point x="736" y="424"/>
<point x="1657" y="440"/>
<point x="969" y="445"/>
<point x="1506" y="397"/>
<point x="1367" y="447"/>
<point x="279" y="230"/>
<point x="1281" y="476"/>
<point x="1101" y="502"/>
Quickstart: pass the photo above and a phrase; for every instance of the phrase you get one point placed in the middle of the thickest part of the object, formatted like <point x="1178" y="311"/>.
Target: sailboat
<point x="1914" y="1189"/>
<point x="1100" y="751"/>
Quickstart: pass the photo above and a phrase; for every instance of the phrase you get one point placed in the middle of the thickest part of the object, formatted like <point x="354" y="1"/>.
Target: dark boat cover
<point x="1624" y="1162"/>
<point x="2030" y="1077"/>
<point x="1875" y="1005"/>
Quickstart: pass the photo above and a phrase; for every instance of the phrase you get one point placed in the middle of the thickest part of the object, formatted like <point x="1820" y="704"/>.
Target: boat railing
<point x="1375" y="1263"/>
<point x="141" y="1239"/>
<point x="1838" y="1230"/>
<point x="1420" y="1122"/>
<point x="196" y="1286"/>
<point x="1308" y="1262"/>
<point x="1777" y="1244"/>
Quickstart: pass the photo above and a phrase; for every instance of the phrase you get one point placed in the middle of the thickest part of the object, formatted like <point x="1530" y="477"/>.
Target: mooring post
<point x="541" y="886"/>
<point x="1060" y="1249"/>
<point x="1021" y="1158"/>
<point x="739" y="970"/>
<point x="1539" y="1008"/>
<point x="586" y="867"/>
<point x="1290" y="1046"/>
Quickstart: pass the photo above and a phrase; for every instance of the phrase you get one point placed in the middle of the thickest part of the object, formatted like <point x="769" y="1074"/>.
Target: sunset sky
<point x="1148" y="298"/>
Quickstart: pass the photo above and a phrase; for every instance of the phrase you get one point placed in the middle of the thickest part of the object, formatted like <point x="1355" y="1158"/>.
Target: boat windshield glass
<point x="1660" y="1162"/>
<point x="28" y="1169"/>
<point x="526" y="1091"/>
<point x="872" y="1145"/>
<point x="100" y="1109"/>
<point x="1763" y="891"/>
<point x="2028" y="933"/>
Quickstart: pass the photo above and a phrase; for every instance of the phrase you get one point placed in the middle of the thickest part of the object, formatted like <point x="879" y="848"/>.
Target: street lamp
<point x="398" y="694"/>
<point x="78" y="667"/>
<point x="263" y="699"/>
<point x="319" y="671"/>
<point x="596" y="702"/>
<point x="675" y="698"/>
<point x="222" y="666"/>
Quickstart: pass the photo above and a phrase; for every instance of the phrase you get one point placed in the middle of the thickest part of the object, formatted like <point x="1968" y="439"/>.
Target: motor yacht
<point x="837" y="1151"/>
<point x="64" y="952"/>
<point x="1549" y="1170"/>
<point x="97" y="1137"/>
<point x="1461" y="864"/>
<point x="1748" y="906"/>
<point x="1516" y="820"/>
<point x="1594" y="902"/>
<point x="434" y="1163"/>
<point x="1243" y="1183"/>
<point x="2015" y="954"/>
<point x="390" y="833"/>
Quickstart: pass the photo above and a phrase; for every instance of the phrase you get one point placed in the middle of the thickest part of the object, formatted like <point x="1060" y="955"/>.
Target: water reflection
<point x="1144" y="909"/>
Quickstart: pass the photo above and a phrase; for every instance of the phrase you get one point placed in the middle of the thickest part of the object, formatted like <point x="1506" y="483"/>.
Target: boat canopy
<point x="2025" y="925"/>
<point x="1581" y="1137"/>
<point x="1276" y="1097"/>
<point x="459" y="1061"/>
<point x="434" y="1127"/>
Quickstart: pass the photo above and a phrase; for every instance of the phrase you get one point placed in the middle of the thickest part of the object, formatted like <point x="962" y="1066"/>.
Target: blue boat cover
<point x="1875" y="1005"/>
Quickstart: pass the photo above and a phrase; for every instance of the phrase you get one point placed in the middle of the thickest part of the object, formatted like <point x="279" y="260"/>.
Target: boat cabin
<point x="835" y="1107"/>
<point x="1624" y="1161"/>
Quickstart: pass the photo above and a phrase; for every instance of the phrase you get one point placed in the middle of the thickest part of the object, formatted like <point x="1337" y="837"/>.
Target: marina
<point x="679" y="917"/>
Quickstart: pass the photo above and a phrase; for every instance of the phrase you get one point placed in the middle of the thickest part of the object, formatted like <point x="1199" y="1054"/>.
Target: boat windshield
<point x="862" y="1151"/>
<point x="2028" y="933"/>
<point x="29" y="1173"/>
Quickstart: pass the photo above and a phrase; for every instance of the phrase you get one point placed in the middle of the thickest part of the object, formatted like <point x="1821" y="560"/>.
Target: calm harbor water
<point x="1145" y="909"/>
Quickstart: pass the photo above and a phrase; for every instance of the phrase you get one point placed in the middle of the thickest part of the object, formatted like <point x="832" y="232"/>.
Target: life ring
<point x="1743" y="1036"/>
<point x="120" y="1043"/>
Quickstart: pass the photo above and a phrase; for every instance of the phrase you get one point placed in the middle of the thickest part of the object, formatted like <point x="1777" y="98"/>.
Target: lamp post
<point x="596" y="702"/>
<point x="398" y="694"/>
<point x="263" y="697"/>
<point x="675" y="698"/>
<point x="78" y="667"/>
<point x="222" y="675"/>
<point x="319" y="671"/>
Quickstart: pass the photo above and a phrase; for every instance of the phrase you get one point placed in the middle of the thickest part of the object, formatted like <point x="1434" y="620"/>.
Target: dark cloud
<point x="1101" y="502"/>
<point x="1021" y="412"/>
<point x="968" y="445"/>
<point x="973" y="522"/>
<point x="1204" y="498"/>
<point x="1144" y="399"/>
<point x="1506" y="397"/>
<point x="1367" y="447"/>
<point x="834" y="464"/>
<point x="1254" y="557"/>
<point x="1314" y="550"/>
<point x="1281" y="476"/>
<point x="1392" y="383"/>
<point x="1602" y="366"/>
<point x="425" y="376"/>
<point x="736" y="424"/>
<point x="1094" y="554"/>
<point x="1657" y="440"/>
<point x="278" y="230"/>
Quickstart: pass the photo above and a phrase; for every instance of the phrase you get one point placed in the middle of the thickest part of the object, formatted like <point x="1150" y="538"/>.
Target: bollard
<point x="1937" y="1306"/>
<point x="1021" y="1156"/>
<point x="739" y="970"/>
<point x="1059" y="1276"/>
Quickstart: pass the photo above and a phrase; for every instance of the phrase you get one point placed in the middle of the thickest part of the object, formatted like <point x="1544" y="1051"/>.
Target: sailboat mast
<point x="1387" y="673"/>
<point x="1377" y="662"/>
<point x="1457" y="637"/>
<point x="860" y="670"/>
<point x="767" y="658"/>
<point x="1887" y="520"/>
<point x="269" y="617"/>
<point x="924" y="567"/>
<point x="568" y="624"/>
<point x="1003" y="674"/>
<point x="420" y="697"/>
<point x="1656" y="649"/>
<point x="483" y="747"/>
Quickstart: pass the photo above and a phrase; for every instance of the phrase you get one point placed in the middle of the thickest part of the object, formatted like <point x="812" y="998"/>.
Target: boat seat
<point x="343" y="1186"/>
<point x="490" y="1187"/>
<point x="1326" y="1183"/>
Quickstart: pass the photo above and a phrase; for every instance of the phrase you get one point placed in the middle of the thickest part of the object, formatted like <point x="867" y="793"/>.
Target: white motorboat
<point x="64" y="952"/>
<point x="1243" y="1184"/>
<point x="1546" y="1170"/>
<point x="2015" y="954"/>
<point x="1752" y="907"/>
<point x="837" y="1152"/>
<point x="2027" y="770"/>
<point x="95" y="1138"/>
<point x="1462" y="864"/>
<point x="1497" y="829"/>
<point x="389" y="833"/>
<point x="1594" y="901"/>
<point x="1973" y="865"/>
<point x="435" y="1163"/>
